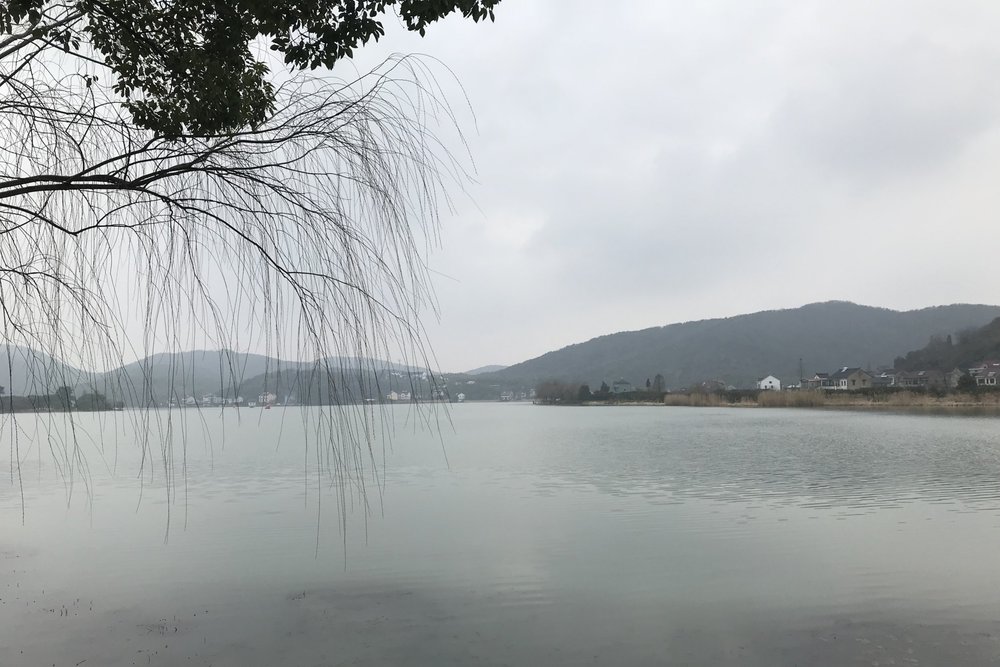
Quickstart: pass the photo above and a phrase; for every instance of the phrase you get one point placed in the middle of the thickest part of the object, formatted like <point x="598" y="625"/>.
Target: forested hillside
<point x="960" y="350"/>
<point x="739" y="349"/>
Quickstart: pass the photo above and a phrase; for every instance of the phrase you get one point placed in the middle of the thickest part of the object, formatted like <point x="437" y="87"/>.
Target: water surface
<point x="520" y="535"/>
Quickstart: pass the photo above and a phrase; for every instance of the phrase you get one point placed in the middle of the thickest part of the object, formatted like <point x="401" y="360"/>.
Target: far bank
<point x="868" y="398"/>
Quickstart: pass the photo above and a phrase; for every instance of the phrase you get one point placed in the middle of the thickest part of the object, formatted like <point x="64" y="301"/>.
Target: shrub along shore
<point x="864" y="398"/>
<point x="875" y="397"/>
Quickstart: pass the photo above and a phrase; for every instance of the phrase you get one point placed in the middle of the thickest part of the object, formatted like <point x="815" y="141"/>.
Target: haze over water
<point x="556" y="536"/>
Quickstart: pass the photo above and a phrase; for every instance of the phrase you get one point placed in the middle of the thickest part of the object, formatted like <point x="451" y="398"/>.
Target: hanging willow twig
<point x="307" y="233"/>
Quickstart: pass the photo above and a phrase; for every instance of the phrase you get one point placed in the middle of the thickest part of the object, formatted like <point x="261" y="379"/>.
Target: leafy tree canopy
<point x="973" y="345"/>
<point x="186" y="67"/>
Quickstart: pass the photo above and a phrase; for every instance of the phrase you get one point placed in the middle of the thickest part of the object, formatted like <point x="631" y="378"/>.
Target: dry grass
<point x="791" y="399"/>
<point x="833" y="399"/>
<point x="694" y="400"/>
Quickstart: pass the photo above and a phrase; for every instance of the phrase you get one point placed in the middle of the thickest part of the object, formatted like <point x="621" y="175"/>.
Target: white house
<point x="621" y="386"/>
<point x="770" y="382"/>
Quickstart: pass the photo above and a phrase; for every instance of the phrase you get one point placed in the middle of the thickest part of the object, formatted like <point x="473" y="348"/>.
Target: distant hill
<point x="739" y="349"/>
<point x="175" y="376"/>
<point x="164" y="377"/>
<point x="961" y="350"/>
<point x="160" y="377"/>
<point x="485" y="369"/>
<point x="24" y="371"/>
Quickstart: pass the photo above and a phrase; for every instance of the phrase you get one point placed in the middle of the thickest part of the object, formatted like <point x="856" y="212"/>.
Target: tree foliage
<point x="188" y="67"/>
<point x="64" y="398"/>
<point x="92" y="402"/>
<point x="966" y="383"/>
<point x="973" y="346"/>
<point x="554" y="392"/>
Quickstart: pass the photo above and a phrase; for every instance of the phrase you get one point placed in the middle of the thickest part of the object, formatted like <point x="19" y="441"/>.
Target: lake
<point x="514" y="535"/>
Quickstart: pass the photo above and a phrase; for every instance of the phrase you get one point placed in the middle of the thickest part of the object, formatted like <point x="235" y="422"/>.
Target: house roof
<point x="920" y="374"/>
<point x="848" y="371"/>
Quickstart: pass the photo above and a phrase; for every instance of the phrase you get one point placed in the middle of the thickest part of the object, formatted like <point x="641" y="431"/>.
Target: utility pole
<point x="802" y="373"/>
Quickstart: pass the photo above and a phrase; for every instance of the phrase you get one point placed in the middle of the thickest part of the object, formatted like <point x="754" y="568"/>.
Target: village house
<point x="817" y="381"/>
<point x="711" y="386"/>
<point x="769" y="383"/>
<point x="848" y="378"/>
<point x="987" y="379"/>
<point x="921" y="379"/>
<point x="986" y="373"/>
<point x="621" y="386"/>
<point x="885" y="377"/>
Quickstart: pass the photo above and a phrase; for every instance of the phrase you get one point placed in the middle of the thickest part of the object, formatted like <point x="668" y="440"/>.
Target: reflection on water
<point x="558" y="536"/>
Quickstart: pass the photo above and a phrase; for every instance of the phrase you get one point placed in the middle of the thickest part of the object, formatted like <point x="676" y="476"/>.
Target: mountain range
<point x="492" y="368"/>
<point x="162" y="377"/>
<point x="737" y="350"/>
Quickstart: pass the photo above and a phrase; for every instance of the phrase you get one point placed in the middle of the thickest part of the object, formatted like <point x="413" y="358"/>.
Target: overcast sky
<point x="643" y="163"/>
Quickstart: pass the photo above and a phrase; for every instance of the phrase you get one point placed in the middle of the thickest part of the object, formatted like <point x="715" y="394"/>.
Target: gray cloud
<point x="660" y="162"/>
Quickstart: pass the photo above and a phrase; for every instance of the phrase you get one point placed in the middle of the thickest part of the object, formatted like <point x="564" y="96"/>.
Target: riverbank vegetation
<point x="63" y="400"/>
<point x="554" y="392"/>
<point x="966" y="348"/>
<point x="889" y="397"/>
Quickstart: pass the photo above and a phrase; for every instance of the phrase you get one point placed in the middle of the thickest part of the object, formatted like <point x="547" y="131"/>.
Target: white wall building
<point x="621" y="386"/>
<point x="770" y="382"/>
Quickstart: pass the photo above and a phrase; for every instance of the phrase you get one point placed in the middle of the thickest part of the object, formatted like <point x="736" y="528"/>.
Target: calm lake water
<point x="535" y="536"/>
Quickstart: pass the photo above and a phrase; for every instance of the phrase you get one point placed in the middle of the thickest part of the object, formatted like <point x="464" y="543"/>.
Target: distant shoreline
<point x="987" y="401"/>
<point x="979" y="408"/>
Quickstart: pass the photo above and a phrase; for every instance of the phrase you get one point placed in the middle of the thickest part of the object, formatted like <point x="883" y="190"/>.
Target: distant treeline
<point x="554" y="392"/>
<point x="944" y="353"/>
<point x="61" y="401"/>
